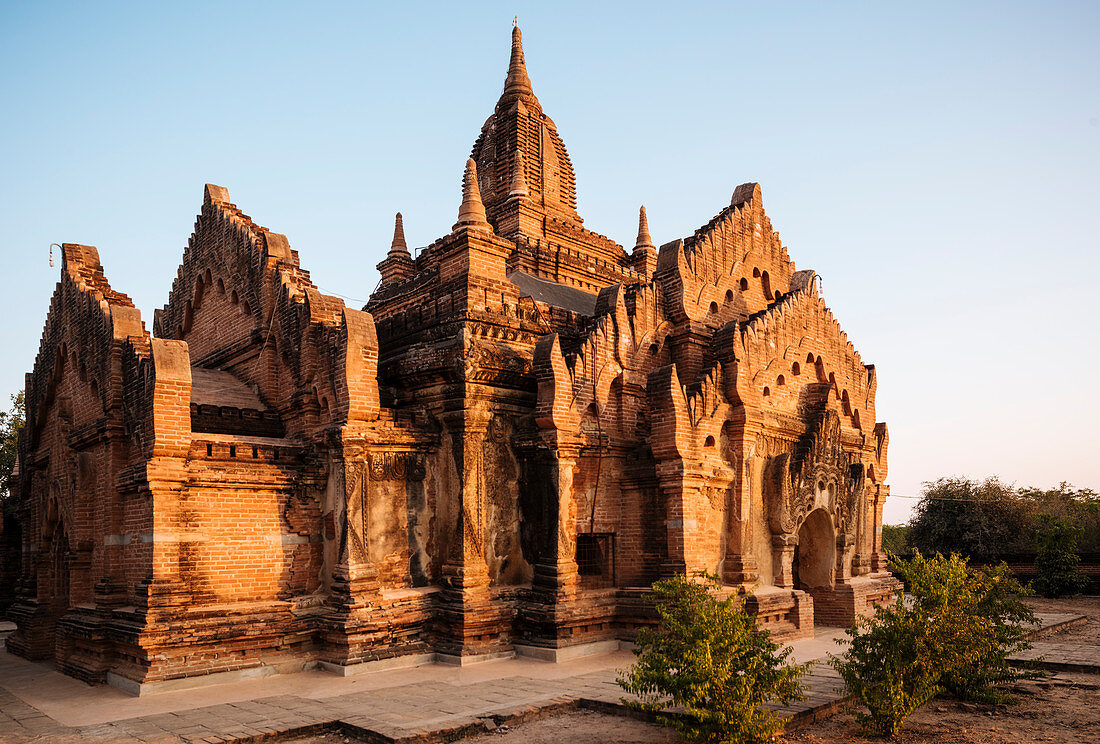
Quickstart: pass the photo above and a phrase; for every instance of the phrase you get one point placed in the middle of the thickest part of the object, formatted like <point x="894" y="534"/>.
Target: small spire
<point x="519" y="180"/>
<point x="398" y="245"/>
<point x="644" y="241"/>
<point x="472" y="211"/>
<point x="517" y="81"/>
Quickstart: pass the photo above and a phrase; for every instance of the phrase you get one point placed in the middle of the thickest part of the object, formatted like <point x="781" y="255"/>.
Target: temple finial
<point x="472" y="211"/>
<point x="398" y="245"/>
<point x="644" y="241"/>
<point x="517" y="81"/>
<point x="519" y="179"/>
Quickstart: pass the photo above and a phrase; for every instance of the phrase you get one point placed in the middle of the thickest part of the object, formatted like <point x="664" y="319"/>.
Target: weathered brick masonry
<point x="525" y="426"/>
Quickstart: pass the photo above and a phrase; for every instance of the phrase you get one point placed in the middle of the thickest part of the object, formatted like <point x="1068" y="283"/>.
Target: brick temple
<point x="526" y="425"/>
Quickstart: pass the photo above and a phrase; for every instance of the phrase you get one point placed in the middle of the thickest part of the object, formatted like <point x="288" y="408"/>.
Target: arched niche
<point x="815" y="556"/>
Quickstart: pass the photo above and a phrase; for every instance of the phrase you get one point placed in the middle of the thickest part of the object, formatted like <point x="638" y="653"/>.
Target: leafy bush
<point x="978" y="620"/>
<point x="1078" y="506"/>
<point x="10" y="424"/>
<point x="708" y="657"/>
<point x="953" y="634"/>
<point x="895" y="538"/>
<point x="1057" y="559"/>
<point x="987" y="520"/>
<point x="981" y="520"/>
<point x="890" y="666"/>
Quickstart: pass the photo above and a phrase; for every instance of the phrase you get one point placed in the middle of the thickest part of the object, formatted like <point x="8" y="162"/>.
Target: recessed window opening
<point x="796" y="370"/>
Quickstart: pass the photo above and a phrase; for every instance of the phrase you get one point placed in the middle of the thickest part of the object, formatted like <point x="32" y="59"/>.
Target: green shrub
<point x="895" y="538"/>
<point x="10" y="424"/>
<point x="954" y="633"/>
<point x="1057" y="559"/>
<point x="978" y="619"/>
<point x="981" y="520"/>
<point x="708" y="657"/>
<point x="890" y="666"/>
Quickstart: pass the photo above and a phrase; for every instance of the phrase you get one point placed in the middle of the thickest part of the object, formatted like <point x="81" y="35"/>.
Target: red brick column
<point x="878" y="557"/>
<point x="556" y="571"/>
<point x="783" y="559"/>
<point x="465" y="569"/>
<point x="354" y="577"/>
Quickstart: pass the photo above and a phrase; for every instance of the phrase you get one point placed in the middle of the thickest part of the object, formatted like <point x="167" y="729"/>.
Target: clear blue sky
<point x="937" y="163"/>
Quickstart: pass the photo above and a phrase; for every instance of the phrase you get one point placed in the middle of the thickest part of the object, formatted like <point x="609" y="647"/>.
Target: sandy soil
<point x="1087" y="606"/>
<point x="1062" y="708"/>
<point x="581" y="727"/>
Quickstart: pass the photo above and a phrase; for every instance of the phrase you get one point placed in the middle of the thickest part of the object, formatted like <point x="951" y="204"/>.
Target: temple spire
<point x="519" y="180"/>
<point x="398" y="245"/>
<point x="517" y="81"/>
<point x="472" y="211"/>
<point x="644" y="241"/>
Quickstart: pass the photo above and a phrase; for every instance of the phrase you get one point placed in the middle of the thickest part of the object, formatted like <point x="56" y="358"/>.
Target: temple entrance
<point x="815" y="555"/>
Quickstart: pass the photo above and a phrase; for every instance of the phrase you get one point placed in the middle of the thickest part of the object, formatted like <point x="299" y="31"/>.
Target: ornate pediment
<point x="820" y="474"/>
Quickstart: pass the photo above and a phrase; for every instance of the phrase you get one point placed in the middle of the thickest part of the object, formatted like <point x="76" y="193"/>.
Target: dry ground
<point x="1062" y="709"/>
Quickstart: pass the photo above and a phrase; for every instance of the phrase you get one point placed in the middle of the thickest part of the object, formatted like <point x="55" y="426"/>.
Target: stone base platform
<point x="428" y="703"/>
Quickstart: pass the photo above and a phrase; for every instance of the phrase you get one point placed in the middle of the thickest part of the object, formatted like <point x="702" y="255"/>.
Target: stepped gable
<point x="794" y="357"/>
<point x="733" y="266"/>
<point x="226" y="238"/>
<point x="247" y="308"/>
<point x="86" y="317"/>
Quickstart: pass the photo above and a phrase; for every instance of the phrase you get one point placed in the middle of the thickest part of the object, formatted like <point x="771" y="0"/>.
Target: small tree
<point x="977" y="620"/>
<point x="10" y="424"/>
<point x="1057" y="559"/>
<point x="981" y="520"/>
<point x="895" y="538"/>
<point x="955" y="633"/>
<point x="708" y="657"/>
<point x="1078" y="506"/>
<point x="890" y="666"/>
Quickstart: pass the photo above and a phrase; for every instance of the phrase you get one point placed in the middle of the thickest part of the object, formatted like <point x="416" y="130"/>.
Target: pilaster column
<point x="682" y="492"/>
<point x="465" y="569"/>
<point x="783" y="559"/>
<point x="879" y="560"/>
<point x="845" y="546"/>
<point x="556" y="571"/>
<point x="354" y="577"/>
<point x="739" y="566"/>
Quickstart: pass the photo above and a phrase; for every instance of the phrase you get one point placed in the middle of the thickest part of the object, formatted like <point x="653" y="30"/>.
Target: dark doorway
<point x="815" y="555"/>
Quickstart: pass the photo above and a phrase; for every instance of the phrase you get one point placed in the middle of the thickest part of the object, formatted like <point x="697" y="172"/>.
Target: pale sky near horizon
<point x="938" y="164"/>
